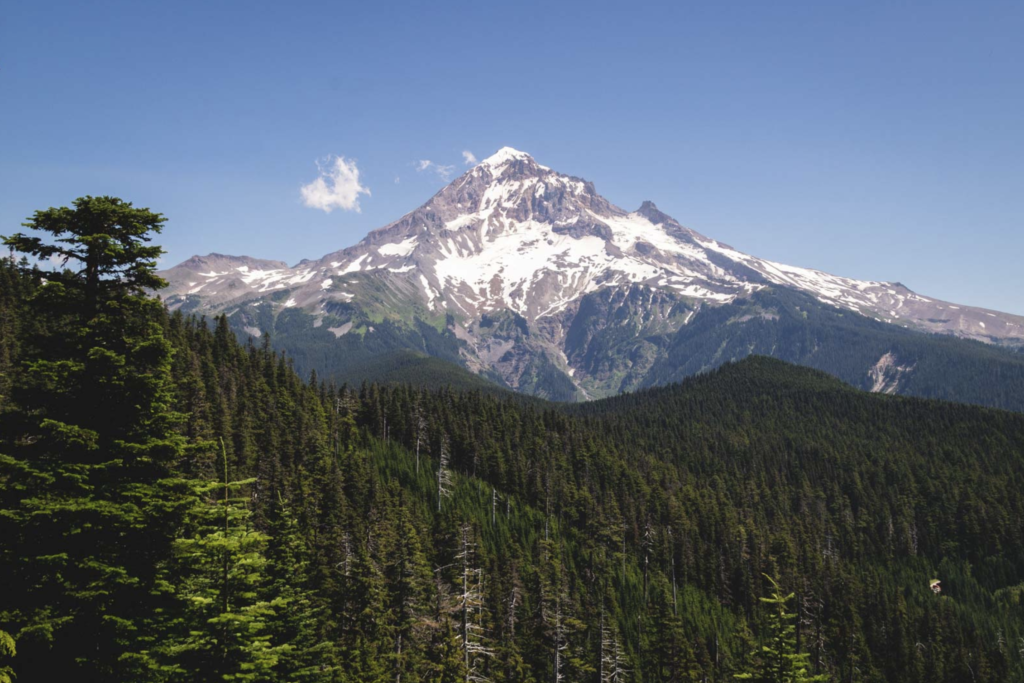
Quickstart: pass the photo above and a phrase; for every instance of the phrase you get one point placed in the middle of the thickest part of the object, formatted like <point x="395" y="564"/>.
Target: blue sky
<point x="880" y="140"/>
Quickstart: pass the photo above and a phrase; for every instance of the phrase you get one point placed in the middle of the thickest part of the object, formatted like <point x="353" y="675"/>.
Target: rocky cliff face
<point x="530" y="275"/>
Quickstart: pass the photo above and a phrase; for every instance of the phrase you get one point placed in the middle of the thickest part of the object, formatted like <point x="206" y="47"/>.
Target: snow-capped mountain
<point x="514" y="240"/>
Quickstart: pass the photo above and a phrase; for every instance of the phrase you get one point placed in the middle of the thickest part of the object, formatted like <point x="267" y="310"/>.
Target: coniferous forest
<point x="177" y="505"/>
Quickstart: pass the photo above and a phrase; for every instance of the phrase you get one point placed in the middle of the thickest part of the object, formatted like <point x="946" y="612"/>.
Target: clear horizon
<point x="877" y="142"/>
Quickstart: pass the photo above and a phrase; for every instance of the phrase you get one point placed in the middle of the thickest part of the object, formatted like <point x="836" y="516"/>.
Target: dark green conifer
<point x="90" y="504"/>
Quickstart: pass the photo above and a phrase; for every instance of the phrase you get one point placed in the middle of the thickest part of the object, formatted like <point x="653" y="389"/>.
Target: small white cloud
<point x="443" y="172"/>
<point x="469" y="158"/>
<point x="337" y="187"/>
<point x="397" y="180"/>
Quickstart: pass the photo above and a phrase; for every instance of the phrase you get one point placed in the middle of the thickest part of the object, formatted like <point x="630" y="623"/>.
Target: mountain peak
<point x="505" y="154"/>
<point x="215" y="261"/>
<point x="513" y="235"/>
<point x="651" y="212"/>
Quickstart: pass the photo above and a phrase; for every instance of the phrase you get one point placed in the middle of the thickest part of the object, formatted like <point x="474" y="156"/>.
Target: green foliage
<point x="217" y="626"/>
<point x="177" y="506"/>
<point x="103" y="239"/>
<point x="779" y="660"/>
<point x="7" y="649"/>
<point x="415" y="369"/>
<point x="87" y="497"/>
<point x="624" y="339"/>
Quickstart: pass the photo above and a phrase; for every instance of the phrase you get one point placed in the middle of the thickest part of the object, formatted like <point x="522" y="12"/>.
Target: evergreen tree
<point x="447" y="663"/>
<point x="410" y="578"/>
<point x="7" y="649"/>
<point x="104" y="240"/>
<point x="779" y="660"/>
<point x="218" y="623"/>
<point x="298" y="625"/>
<point x="674" y="661"/>
<point x="116" y="563"/>
<point x="90" y="504"/>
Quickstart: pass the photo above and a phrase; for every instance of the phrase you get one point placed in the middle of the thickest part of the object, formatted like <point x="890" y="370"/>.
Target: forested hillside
<point x="867" y="353"/>
<point x="616" y="340"/>
<point x="176" y="506"/>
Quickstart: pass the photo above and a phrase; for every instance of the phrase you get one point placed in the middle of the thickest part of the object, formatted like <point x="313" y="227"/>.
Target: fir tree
<point x="779" y="660"/>
<point x="218" y="623"/>
<point x="297" y="627"/>
<point x="7" y="649"/>
<point x="90" y="504"/>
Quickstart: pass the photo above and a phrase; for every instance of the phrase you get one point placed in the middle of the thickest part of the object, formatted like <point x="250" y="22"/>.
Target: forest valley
<point x="179" y="505"/>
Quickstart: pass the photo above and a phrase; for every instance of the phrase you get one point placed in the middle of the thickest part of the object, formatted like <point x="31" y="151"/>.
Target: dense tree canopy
<point x="179" y="506"/>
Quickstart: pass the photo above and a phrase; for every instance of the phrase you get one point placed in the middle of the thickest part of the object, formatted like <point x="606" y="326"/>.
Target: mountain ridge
<point x="512" y="239"/>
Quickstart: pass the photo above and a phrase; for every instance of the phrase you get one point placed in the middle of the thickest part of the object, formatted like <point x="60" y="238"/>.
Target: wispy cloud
<point x="337" y="187"/>
<point x="442" y="171"/>
<point x="469" y="158"/>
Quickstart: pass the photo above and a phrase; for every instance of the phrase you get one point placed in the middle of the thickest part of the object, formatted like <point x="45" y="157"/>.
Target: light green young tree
<point x="7" y="649"/>
<point x="217" y="624"/>
<point x="779" y="661"/>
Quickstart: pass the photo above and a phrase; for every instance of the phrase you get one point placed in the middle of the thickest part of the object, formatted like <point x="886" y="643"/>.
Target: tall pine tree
<point x="89" y="503"/>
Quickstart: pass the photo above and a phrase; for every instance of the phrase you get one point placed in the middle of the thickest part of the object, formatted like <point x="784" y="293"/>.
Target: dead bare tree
<point x="420" y="424"/>
<point x="444" y="474"/>
<point x="471" y="607"/>
<point x="612" y="660"/>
